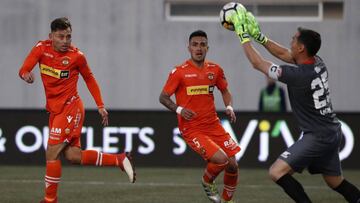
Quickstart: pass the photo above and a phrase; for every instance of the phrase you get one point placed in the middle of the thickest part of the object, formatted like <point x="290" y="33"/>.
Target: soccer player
<point x="193" y="84"/>
<point x="60" y="64"/>
<point x="308" y="87"/>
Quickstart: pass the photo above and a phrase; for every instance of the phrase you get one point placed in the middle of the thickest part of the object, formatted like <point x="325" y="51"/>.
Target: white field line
<point x="143" y="184"/>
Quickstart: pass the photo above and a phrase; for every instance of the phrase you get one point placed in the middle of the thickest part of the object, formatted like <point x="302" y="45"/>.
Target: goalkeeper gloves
<point x="239" y="21"/>
<point x="254" y="29"/>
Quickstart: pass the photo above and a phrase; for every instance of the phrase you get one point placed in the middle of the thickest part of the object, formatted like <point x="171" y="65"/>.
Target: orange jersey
<point x="60" y="73"/>
<point x="193" y="88"/>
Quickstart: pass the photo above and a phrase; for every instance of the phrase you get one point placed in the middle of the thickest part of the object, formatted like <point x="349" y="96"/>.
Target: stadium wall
<point x="155" y="141"/>
<point x="131" y="47"/>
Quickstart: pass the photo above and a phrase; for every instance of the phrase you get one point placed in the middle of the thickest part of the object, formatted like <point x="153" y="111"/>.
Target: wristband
<point x="179" y="109"/>
<point x="229" y="108"/>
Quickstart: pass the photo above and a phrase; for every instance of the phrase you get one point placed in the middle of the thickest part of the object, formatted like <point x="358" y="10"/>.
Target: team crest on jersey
<point x="65" y="61"/>
<point x="210" y="76"/>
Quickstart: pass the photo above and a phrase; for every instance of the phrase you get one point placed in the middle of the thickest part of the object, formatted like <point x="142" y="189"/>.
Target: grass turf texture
<point x="154" y="185"/>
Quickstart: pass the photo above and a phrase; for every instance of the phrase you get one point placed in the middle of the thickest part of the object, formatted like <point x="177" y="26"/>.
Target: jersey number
<point x="321" y="83"/>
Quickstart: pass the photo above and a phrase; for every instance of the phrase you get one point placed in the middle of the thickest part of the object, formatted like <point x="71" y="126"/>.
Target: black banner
<point x="154" y="139"/>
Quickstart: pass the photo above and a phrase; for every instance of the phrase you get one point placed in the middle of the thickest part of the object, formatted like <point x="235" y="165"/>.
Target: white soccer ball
<point x="226" y="12"/>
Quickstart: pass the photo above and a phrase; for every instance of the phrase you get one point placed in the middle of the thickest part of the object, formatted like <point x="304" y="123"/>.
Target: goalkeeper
<point x="317" y="150"/>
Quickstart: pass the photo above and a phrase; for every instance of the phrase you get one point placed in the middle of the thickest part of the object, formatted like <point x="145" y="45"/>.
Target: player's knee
<point x="274" y="173"/>
<point x="73" y="158"/>
<point x="333" y="181"/>
<point x="232" y="167"/>
<point x="220" y="158"/>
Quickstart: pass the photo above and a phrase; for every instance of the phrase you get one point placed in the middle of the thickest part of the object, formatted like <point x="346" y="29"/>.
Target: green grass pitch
<point x="19" y="184"/>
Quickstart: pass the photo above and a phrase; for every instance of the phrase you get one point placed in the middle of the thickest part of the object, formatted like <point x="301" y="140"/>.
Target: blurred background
<point x="132" y="46"/>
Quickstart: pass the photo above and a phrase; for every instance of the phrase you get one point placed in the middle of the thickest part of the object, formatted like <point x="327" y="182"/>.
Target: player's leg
<point x="214" y="166"/>
<point x="330" y="166"/>
<point x="53" y="171"/>
<point x="350" y="192"/>
<point x="230" y="179"/>
<point x="95" y="158"/>
<point x="281" y="173"/>
<point x="230" y="148"/>
<point x="215" y="157"/>
<point x="54" y="148"/>
<point x="75" y="155"/>
<point x="295" y="158"/>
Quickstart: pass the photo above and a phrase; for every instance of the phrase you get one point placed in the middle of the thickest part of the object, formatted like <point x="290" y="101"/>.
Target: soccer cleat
<point x="211" y="191"/>
<point x="125" y="163"/>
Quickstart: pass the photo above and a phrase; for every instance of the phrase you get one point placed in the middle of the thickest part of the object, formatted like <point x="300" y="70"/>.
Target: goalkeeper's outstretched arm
<point x="279" y="51"/>
<point x="256" y="60"/>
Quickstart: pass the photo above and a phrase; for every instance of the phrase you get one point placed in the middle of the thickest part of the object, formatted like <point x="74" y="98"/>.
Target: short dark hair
<point x="310" y="39"/>
<point x="197" y="33"/>
<point x="62" y="23"/>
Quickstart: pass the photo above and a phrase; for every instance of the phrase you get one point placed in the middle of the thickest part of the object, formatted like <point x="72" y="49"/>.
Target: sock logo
<point x="47" y="184"/>
<point x="229" y="194"/>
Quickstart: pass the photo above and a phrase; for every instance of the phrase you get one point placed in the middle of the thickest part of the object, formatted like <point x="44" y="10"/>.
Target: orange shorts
<point x="66" y="126"/>
<point x="207" y="142"/>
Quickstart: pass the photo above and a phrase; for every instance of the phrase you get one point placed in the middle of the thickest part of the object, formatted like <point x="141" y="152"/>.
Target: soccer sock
<point x="350" y="192"/>
<point x="293" y="188"/>
<point x="52" y="179"/>
<point x="212" y="171"/>
<point x="95" y="158"/>
<point x="230" y="182"/>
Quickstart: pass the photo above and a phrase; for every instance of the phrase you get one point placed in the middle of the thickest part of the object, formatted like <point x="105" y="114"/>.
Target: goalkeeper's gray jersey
<point x="309" y="96"/>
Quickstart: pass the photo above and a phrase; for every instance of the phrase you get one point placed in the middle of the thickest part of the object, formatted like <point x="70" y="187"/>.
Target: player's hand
<point x="187" y="114"/>
<point x="239" y="21"/>
<point x="254" y="29"/>
<point x="104" y="116"/>
<point x="230" y="113"/>
<point x="28" y="77"/>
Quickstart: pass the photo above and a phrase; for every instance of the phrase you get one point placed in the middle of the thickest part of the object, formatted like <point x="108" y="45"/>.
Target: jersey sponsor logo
<point x="200" y="89"/>
<point x="55" y="131"/>
<point x="53" y="72"/>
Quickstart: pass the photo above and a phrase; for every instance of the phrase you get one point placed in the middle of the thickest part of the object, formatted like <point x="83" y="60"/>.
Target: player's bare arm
<point x="279" y="51"/>
<point x="227" y="98"/>
<point x="165" y="100"/>
<point x="256" y="60"/>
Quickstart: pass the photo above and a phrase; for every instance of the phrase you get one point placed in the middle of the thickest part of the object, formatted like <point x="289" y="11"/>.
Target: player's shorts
<point x="207" y="141"/>
<point x="65" y="127"/>
<point x="317" y="153"/>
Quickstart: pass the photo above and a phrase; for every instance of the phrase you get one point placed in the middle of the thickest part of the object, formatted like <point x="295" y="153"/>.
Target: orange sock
<point x="230" y="182"/>
<point x="52" y="179"/>
<point x="212" y="171"/>
<point x="95" y="158"/>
